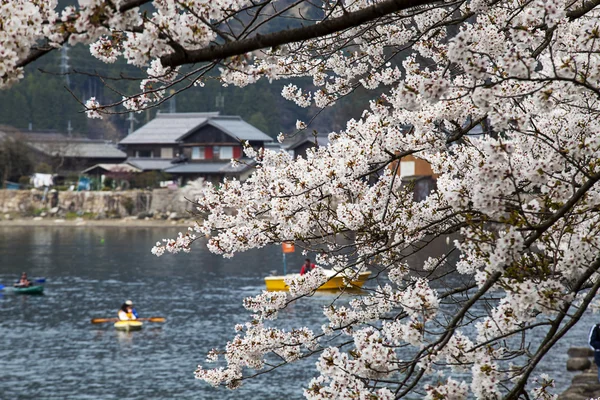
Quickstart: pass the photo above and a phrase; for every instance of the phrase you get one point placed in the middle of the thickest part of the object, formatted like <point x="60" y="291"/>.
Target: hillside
<point x="41" y="101"/>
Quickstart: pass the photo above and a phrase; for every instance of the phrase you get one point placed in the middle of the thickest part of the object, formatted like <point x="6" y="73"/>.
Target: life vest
<point x="305" y="270"/>
<point x="125" y="316"/>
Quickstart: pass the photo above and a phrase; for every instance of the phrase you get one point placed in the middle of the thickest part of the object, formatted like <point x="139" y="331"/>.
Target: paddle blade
<point x="40" y="280"/>
<point x="102" y="320"/>
<point x="155" y="319"/>
<point x="1" y="287"/>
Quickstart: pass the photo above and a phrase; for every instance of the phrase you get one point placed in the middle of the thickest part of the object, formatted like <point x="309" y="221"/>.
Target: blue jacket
<point x="594" y="338"/>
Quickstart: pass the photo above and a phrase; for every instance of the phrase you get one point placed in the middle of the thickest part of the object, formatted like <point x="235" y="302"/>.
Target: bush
<point x="113" y="214"/>
<point x="43" y="168"/>
<point x="150" y="179"/>
<point x="24" y="180"/>
<point x="108" y="182"/>
<point x="88" y="215"/>
<point x="128" y="204"/>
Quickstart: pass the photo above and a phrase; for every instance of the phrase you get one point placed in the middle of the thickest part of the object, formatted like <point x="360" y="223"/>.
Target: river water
<point x="50" y="350"/>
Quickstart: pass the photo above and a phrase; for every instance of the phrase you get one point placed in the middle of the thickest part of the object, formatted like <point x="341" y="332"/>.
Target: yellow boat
<point x="335" y="281"/>
<point x="128" y="325"/>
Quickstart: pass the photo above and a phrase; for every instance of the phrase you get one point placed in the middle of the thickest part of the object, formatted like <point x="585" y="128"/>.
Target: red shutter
<point x="208" y="153"/>
<point x="237" y="152"/>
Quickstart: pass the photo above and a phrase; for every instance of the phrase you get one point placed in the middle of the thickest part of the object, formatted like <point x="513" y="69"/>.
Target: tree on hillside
<point x="522" y="199"/>
<point x="15" y="160"/>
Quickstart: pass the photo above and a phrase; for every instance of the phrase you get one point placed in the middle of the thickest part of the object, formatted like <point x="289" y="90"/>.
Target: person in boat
<point x="307" y="267"/>
<point x="127" y="312"/>
<point x="23" y="281"/>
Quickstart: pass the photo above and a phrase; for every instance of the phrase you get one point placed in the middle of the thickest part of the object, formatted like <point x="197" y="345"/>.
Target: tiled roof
<point x="149" y="164"/>
<point x="274" y="146"/>
<point x="6" y="131"/>
<point x="57" y="144"/>
<point x="321" y="141"/>
<point x="78" y="149"/>
<point x="172" y="128"/>
<point x="45" y="136"/>
<point x="167" y="128"/>
<point x="235" y="126"/>
<point x="207" y="168"/>
<point x="113" y="167"/>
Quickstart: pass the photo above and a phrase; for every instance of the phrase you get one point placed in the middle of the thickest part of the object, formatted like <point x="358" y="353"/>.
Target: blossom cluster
<point x="499" y="98"/>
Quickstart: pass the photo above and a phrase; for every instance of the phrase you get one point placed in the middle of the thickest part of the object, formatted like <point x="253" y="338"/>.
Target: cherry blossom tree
<point x="521" y="199"/>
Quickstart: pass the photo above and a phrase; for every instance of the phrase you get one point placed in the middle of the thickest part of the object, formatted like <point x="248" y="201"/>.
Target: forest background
<point x="42" y="102"/>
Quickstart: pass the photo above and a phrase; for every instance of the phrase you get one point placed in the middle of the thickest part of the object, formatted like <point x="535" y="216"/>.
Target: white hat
<point x="129" y="302"/>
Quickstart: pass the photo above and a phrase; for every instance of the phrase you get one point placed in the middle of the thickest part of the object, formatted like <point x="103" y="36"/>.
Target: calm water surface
<point x="50" y="350"/>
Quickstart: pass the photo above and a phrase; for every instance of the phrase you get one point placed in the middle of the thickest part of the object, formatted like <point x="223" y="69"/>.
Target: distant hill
<point x="42" y="101"/>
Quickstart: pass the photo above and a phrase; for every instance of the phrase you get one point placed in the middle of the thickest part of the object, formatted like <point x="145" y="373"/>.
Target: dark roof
<point x="321" y="141"/>
<point x="172" y="128"/>
<point x="208" y="168"/>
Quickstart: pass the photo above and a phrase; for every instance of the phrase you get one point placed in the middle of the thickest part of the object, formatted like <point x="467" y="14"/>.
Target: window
<point x="223" y="152"/>
<point x="407" y="168"/>
<point x="198" y="153"/>
<point x="144" y="153"/>
<point x="166" y="152"/>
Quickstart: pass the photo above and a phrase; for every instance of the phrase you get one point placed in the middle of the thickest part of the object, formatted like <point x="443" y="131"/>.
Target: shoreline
<point x="118" y="222"/>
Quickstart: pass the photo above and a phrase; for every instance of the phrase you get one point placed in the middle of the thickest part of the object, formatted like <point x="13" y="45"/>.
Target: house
<point x="66" y="155"/>
<point x="413" y="166"/>
<point x="71" y="155"/>
<point x="194" y="145"/>
<point x="299" y="147"/>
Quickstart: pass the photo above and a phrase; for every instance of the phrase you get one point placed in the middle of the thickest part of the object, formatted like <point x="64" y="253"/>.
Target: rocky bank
<point x="585" y="385"/>
<point x="154" y="204"/>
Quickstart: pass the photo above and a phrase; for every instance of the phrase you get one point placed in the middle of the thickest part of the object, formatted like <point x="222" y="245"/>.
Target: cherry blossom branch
<point x="276" y="39"/>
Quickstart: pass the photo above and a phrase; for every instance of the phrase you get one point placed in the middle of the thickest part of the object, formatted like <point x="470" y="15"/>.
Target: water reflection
<point x="125" y="339"/>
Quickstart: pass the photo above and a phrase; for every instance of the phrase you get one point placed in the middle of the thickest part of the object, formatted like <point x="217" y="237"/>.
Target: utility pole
<point x="64" y="64"/>
<point x="132" y="121"/>
<point x="172" y="104"/>
<point x="220" y="101"/>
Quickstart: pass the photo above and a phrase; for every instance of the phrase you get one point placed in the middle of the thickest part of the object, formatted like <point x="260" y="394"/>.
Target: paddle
<point x="151" y="319"/>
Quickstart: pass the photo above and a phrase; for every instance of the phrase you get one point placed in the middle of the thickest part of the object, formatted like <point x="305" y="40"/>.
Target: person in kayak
<point x="23" y="281"/>
<point x="127" y="312"/>
<point x="307" y="267"/>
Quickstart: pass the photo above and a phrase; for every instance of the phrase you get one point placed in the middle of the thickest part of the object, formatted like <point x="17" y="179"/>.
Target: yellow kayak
<point x="335" y="281"/>
<point x="128" y="325"/>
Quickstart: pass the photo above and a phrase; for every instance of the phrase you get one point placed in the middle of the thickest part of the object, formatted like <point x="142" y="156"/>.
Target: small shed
<point x="103" y="169"/>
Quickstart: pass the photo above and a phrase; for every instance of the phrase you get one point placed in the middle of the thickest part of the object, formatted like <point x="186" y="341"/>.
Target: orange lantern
<point x="287" y="247"/>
